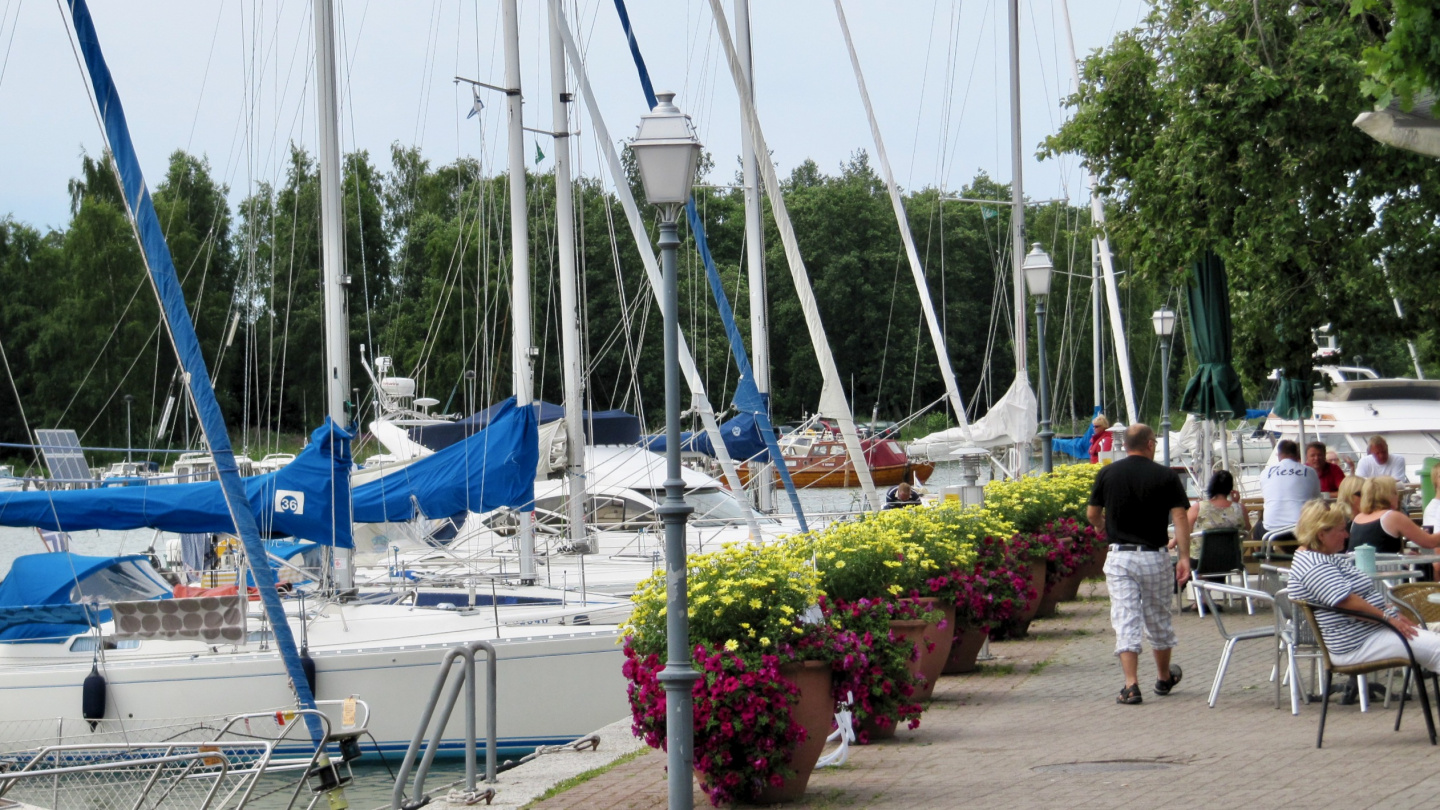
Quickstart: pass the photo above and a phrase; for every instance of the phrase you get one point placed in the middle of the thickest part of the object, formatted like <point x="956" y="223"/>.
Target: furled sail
<point x="296" y="501"/>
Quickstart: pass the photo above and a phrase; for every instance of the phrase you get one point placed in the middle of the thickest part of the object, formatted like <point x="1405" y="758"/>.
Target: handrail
<point x="467" y="677"/>
<point x="12" y="777"/>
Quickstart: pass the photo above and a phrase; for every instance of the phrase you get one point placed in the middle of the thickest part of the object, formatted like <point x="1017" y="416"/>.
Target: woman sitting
<point x="1221" y="509"/>
<point x="1348" y="497"/>
<point x="1381" y="525"/>
<point x="1320" y="576"/>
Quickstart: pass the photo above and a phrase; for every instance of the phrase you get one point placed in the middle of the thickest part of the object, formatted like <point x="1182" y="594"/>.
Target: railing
<point x="466" y="654"/>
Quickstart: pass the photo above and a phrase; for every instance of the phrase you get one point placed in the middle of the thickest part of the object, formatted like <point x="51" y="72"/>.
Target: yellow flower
<point x="732" y="645"/>
<point x="755" y="603"/>
<point x="764" y="641"/>
<point x="839" y="563"/>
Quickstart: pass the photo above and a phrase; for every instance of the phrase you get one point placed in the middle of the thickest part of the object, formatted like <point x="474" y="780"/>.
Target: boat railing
<point x="185" y="763"/>
<point x="448" y="686"/>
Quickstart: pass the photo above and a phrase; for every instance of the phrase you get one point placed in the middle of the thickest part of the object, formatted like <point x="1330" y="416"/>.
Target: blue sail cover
<point x="299" y="500"/>
<point x="493" y="468"/>
<point x="742" y="437"/>
<point x="37" y="596"/>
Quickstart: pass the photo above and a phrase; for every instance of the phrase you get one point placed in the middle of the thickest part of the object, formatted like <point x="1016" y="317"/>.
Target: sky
<point x="234" y="80"/>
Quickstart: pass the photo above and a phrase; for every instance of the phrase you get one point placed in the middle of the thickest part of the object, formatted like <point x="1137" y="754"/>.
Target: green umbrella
<point x="1215" y="388"/>
<point x="1295" y="399"/>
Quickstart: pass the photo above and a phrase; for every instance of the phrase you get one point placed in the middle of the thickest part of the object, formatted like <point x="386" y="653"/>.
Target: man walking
<point x="1132" y="502"/>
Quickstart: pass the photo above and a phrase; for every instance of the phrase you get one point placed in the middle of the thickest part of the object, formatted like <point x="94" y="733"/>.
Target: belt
<point x="1132" y="547"/>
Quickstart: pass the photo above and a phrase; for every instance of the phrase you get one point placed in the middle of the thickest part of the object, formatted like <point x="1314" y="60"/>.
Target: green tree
<point x="1225" y="124"/>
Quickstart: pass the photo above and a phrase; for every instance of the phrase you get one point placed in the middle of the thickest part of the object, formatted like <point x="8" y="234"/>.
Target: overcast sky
<point x="234" y="81"/>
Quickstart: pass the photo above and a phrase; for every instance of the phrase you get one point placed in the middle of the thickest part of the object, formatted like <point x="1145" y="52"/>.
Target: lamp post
<point x="1164" y="321"/>
<point x="1038" y="269"/>
<point x="667" y="152"/>
<point x="129" y="445"/>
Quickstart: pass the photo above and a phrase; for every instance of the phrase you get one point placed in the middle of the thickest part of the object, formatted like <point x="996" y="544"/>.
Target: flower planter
<point x="1068" y="589"/>
<point x="1048" y="601"/>
<point x="913" y="631"/>
<point x="814" y="711"/>
<point x="963" y="652"/>
<point x="1096" y="566"/>
<point x="932" y="659"/>
<point x="1019" y="624"/>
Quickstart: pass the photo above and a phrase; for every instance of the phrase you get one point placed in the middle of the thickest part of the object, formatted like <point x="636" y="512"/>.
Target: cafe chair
<point x="1408" y="663"/>
<point x="1221" y="557"/>
<point x="1205" y="593"/>
<point x="1297" y="641"/>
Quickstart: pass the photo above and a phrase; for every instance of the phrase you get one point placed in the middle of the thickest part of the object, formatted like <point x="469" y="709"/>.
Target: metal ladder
<point x="464" y="653"/>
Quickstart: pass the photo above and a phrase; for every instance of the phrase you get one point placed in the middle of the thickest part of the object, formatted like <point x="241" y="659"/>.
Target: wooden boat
<point x="818" y="459"/>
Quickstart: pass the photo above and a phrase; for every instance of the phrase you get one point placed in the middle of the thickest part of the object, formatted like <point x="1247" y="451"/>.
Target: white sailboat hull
<point x="554" y="685"/>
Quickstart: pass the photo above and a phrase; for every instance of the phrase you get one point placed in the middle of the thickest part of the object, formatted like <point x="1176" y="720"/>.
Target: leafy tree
<point x="1225" y="124"/>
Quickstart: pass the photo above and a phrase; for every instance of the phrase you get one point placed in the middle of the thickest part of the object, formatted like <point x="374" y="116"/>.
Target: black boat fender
<point x="92" y="702"/>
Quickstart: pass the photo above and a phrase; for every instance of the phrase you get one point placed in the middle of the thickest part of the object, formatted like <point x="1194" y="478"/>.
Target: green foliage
<point x="1407" y="63"/>
<point x="1226" y="124"/>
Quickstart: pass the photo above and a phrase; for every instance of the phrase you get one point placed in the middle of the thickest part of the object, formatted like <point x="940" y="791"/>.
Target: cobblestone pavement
<point x="995" y="739"/>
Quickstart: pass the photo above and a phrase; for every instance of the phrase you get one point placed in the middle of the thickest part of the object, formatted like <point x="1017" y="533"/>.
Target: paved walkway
<point x="1040" y="728"/>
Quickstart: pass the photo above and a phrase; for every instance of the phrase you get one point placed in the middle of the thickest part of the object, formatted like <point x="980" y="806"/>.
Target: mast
<point x="1097" y="337"/>
<point x="569" y="308"/>
<point x="332" y="242"/>
<point x="754" y="246"/>
<point x="1107" y="261"/>
<point x="1017" y="193"/>
<point x="520" y="350"/>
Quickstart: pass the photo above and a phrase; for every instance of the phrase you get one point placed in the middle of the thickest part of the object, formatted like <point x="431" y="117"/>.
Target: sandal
<point x="1130" y="695"/>
<point x="1164" y="687"/>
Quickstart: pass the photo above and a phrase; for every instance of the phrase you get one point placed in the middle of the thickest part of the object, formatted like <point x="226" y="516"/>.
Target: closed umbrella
<point x="1295" y="400"/>
<point x="1214" y="392"/>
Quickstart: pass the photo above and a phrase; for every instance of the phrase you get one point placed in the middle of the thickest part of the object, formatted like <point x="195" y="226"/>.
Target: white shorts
<point x="1141" y="585"/>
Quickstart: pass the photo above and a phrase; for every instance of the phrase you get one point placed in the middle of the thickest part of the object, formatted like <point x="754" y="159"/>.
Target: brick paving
<point x="987" y="738"/>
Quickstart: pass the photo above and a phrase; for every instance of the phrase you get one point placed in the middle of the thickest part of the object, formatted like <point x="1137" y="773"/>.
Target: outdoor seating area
<point x="1294" y="638"/>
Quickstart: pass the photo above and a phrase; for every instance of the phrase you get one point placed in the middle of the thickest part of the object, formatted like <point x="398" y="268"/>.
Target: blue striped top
<point x="1326" y="579"/>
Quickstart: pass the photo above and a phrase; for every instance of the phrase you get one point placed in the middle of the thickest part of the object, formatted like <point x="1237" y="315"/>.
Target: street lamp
<point x="129" y="445"/>
<point x="667" y="152"/>
<point x="1164" y="321"/>
<point x="1037" y="277"/>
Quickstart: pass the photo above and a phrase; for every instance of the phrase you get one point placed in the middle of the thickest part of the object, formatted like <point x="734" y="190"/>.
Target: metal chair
<point x="1408" y="663"/>
<point x="1205" y="592"/>
<point x="1297" y="640"/>
<point x="1221" y="556"/>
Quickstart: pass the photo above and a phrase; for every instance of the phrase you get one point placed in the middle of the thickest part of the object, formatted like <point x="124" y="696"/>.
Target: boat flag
<point x="539" y="156"/>
<point x="55" y="541"/>
<point x="478" y="106"/>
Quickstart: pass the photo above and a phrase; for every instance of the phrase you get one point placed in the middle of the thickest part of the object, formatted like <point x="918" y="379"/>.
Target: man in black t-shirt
<point x="1133" y="502"/>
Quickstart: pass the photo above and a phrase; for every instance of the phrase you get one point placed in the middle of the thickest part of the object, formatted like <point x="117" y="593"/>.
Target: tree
<point x="1225" y="124"/>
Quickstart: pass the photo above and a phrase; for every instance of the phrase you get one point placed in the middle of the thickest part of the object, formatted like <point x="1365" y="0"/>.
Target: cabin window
<point x="87" y="644"/>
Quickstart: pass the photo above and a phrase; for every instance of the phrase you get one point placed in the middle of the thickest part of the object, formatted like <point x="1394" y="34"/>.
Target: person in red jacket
<point x="1101" y="441"/>
<point x="1330" y="474"/>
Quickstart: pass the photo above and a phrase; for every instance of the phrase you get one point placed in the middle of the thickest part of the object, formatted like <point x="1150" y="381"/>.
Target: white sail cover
<point x="1011" y="420"/>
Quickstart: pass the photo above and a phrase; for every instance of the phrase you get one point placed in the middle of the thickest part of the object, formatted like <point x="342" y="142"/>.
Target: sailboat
<point x="558" y="678"/>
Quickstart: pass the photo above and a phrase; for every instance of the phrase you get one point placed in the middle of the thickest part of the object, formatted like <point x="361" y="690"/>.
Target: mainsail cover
<point x="492" y="468"/>
<point x="1011" y="420"/>
<point x="299" y="500"/>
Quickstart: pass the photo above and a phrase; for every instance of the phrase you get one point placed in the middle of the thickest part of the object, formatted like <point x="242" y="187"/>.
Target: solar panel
<point x="63" y="456"/>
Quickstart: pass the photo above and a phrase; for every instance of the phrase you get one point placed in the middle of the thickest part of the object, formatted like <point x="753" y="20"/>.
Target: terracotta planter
<point x="1069" y="587"/>
<point x="1096" y="566"/>
<point x="1048" y="601"/>
<point x="814" y="711"/>
<point x="966" y="647"/>
<point x="913" y="631"/>
<point x="932" y="661"/>
<point x="1018" y="626"/>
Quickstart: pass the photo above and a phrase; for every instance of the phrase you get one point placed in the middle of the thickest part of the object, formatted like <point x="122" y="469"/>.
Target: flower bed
<point x="843" y="595"/>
